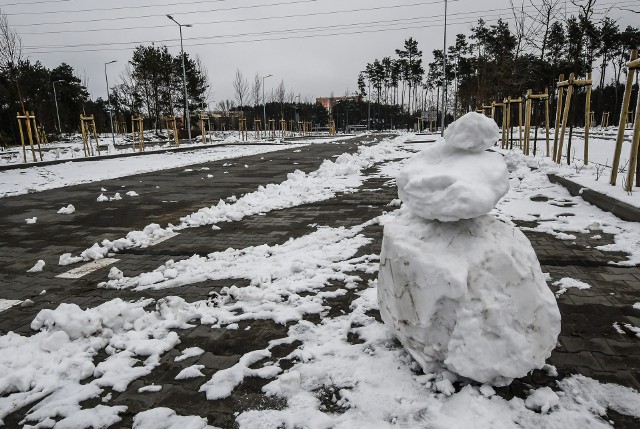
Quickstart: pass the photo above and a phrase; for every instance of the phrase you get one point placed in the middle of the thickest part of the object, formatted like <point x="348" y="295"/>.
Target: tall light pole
<point x="55" y="97"/>
<point x="444" y="71"/>
<point x="264" y="105"/>
<point x="184" y="78"/>
<point x="106" y="78"/>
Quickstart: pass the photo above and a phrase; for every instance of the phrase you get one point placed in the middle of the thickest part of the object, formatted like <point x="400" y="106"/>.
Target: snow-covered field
<point x="377" y="383"/>
<point x="597" y="173"/>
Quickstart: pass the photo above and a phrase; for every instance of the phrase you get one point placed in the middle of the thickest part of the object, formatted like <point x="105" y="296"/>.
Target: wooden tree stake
<point x="623" y="119"/>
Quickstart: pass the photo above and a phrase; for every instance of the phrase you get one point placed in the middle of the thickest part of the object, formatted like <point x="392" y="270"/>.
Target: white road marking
<point x="87" y="268"/>
<point x="6" y="304"/>
<point x="159" y="240"/>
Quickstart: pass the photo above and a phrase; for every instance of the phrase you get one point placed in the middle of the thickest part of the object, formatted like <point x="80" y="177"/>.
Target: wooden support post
<point x="85" y="148"/>
<point x="133" y="133"/>
<point x="202" y="131"/>
<point x="520" y="123"/>
<point x="256" y="129"/>
<point x="95" y="134"/>
<point x="527" y="122"/>
<point x="546" y="117"/>
<point x="36" y="132"/>
<point x="632" y="66"/>
<point x="587" y="118"/>
<point x="633" y="158"/>
<point x="272" y="128"/>
<point x="509" y="130"/>
<point x="504" y="125"/>
<point x="24" y="150"/>
<point x="139" y="120"/>
<point x="565" y="119"/>
<point x="558" y="117"/>
<point x="172" y="127"/>
<point x="141" y="127"/>
<point x="626" y="100"/>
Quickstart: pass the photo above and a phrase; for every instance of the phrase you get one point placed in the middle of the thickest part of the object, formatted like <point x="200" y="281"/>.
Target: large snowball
<point x="449" y="184"/>
<point x="469" y="296"/>
<point x="473" y="132"/>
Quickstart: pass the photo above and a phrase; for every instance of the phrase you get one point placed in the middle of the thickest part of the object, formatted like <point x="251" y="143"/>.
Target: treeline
<point x="499" y="60"/>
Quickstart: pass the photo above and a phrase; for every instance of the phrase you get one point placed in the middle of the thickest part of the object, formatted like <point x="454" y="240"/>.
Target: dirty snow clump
<point x="37" y="267"/>
<point x="67" y="210"/>
<point x="460" y="289"/>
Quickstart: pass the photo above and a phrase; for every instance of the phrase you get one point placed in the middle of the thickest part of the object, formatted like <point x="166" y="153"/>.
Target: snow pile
<point x="189" y="353"/>
<point x="166" y="418"/>
<point x="193" y="371"/>
<point x="451" y="182"/>
<point x="542" y="400"/>
<point x="102" y="198"/>
<point x="467" y="294"/>
<point x="31" y="220"/>
<point x="67" y="210"/>
<point x="37" y="267"/>
<point x="53" y="363"/>
<point x="566" y="283"/>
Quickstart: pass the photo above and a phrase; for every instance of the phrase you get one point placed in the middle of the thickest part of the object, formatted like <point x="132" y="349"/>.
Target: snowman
<point x="462" y="290"/>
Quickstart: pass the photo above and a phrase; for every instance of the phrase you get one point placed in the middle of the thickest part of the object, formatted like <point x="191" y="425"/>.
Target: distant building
<point x="329" y="102"/>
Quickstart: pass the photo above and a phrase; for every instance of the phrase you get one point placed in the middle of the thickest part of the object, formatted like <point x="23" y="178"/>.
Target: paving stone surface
<point x="589" y="344"/>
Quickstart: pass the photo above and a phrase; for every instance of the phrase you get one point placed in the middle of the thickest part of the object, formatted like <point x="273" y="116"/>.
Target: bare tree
<point x="10" y="53"/>
<point x="280" y="93"/>
<point x="520" y="24"/>
<point x="241" y="88"/>
<point x="544" y="16"/>
<point x="204" y="72"/>
<point x="256" y="89"/>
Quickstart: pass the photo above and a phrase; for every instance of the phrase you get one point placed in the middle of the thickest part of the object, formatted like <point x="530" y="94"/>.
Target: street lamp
<point x="184" y="78"/>
<point x="106" y="78"/>
<point x="55" y="97"/>
<point x="444" y="70"/>
<point x="264" y="105"/>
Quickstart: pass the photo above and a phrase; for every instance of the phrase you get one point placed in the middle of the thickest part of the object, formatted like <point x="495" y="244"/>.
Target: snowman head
<point x="473" y="132"/>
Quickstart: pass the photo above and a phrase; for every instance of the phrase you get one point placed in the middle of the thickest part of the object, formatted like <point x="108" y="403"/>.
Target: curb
<point x="604" y="202"/>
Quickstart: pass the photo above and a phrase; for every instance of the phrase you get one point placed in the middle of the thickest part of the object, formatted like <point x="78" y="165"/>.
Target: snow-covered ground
<point x="376" y="382"/>
<point x="39" y="178"/>
<point x="597" y="173"/>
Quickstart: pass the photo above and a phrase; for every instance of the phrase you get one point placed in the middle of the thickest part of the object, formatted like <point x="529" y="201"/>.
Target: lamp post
<point x="264" y="105"/>
<point x="444" y="71"/>
<point x="106" y="78"/>
<point x="55" y="98"/>
<point x="184" y="78"/>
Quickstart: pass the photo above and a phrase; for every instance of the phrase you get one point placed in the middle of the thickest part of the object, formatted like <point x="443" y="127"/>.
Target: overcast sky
<point x="317" y="46"/>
